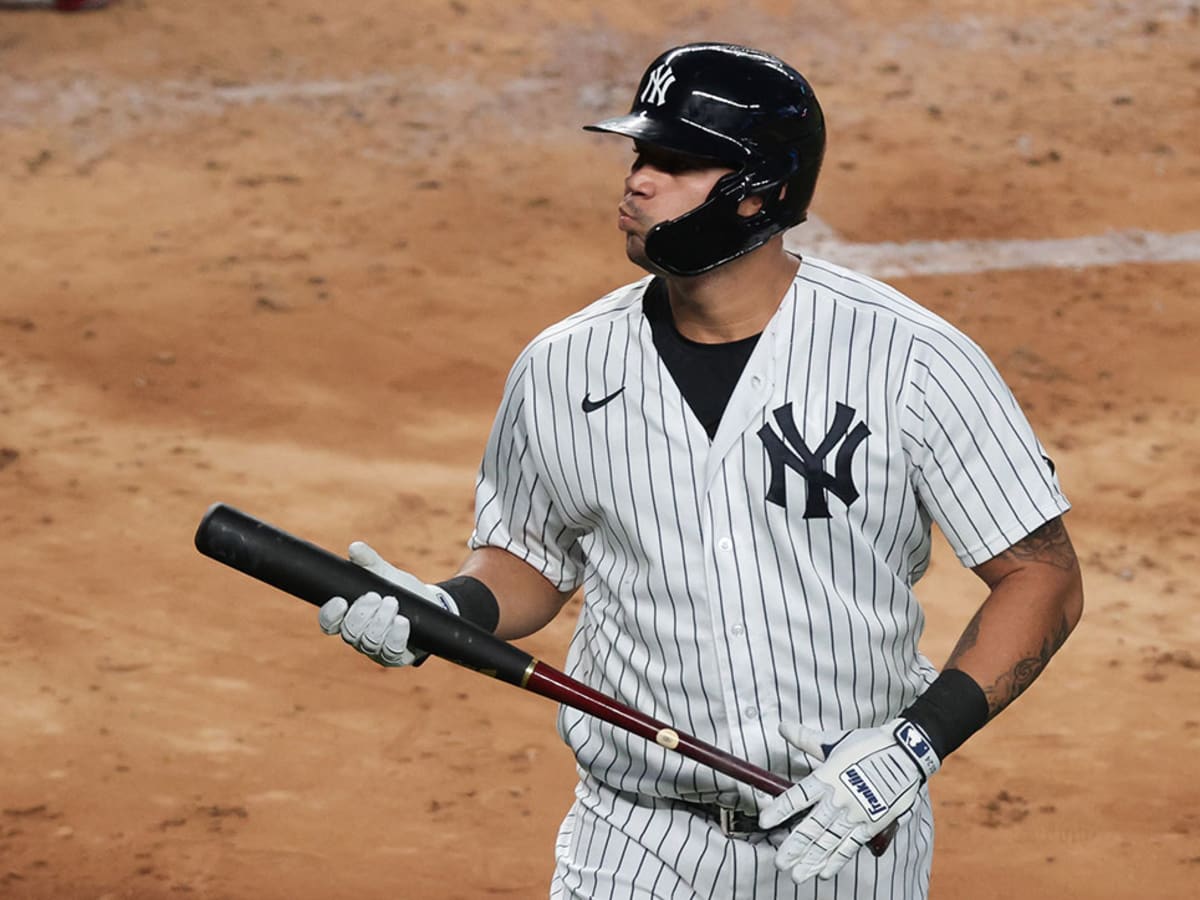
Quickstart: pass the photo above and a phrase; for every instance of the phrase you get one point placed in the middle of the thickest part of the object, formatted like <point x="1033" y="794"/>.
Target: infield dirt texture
<point x="282" y="254"/>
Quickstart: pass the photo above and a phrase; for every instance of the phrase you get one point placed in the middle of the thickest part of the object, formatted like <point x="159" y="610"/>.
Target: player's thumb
<point x="812" y="741"/>
<point x="363" y="554"/>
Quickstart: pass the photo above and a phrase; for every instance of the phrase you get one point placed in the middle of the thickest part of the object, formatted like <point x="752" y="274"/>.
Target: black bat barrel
<point x="313" y="574"/>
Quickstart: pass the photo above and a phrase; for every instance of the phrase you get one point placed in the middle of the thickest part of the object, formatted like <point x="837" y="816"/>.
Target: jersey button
<point x="738" y="630"/>
<point x="725" y="544"/>
<point x="756" y="382"/>
<point x="750" y="712"/>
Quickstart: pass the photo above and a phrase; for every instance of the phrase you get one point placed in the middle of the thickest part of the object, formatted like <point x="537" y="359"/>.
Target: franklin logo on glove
<point x="866" y="794"/>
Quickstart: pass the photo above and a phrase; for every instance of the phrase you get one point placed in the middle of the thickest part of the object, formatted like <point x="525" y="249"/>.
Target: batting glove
<point x="372" y="624"/>
<point x="865" y="780"/>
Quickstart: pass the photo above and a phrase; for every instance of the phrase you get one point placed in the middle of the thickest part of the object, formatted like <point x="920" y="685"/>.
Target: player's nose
<point x="640" y="182"/>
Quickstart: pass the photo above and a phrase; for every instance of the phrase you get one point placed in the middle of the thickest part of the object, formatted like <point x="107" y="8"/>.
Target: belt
<point x="732" y="822"/>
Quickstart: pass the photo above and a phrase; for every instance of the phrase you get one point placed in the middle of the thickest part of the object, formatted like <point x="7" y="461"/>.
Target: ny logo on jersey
<point x="655" y="91"/>
<point x="791" y="452"/>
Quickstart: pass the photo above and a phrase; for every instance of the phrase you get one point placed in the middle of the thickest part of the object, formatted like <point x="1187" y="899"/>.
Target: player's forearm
<point x="1035" y="600"/>
<point x="1008" y="643"/>
<point x="526" y="600"/>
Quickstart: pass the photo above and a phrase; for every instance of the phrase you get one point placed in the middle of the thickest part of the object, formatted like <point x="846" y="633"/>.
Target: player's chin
<point x="635" y="249"/>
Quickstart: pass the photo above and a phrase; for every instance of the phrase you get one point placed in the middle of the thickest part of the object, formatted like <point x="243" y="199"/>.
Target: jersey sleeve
<point x="980" y="470"/>
<point x="515" y="507"/>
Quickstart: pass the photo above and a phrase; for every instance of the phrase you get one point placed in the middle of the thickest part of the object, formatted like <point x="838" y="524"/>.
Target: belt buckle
<point x="728" y="819"/>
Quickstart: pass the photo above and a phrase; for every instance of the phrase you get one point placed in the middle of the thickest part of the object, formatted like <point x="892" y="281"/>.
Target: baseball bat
<point x="313" y="574"/>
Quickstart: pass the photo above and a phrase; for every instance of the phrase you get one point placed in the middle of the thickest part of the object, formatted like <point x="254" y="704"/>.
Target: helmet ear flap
<point x="765" y="178"/>
<point x="715" y="232"/>
<point x="779" y="207"/>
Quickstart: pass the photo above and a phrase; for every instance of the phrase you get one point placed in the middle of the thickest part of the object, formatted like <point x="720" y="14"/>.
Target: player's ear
<point x="751" y="206"/>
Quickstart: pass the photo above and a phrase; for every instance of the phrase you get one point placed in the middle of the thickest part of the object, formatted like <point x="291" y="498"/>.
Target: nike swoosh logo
<point x="590" y="405"/>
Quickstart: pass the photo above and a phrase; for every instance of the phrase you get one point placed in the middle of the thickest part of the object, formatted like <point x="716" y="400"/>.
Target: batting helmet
<point x="741" y="108"/>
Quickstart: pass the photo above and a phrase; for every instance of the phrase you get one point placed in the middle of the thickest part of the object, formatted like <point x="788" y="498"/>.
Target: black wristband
<point x="475" y="600"/>
<point x="952" y="709"/>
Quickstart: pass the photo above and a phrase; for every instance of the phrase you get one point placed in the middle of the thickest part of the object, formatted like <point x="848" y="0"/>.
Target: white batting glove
<point x="865" y="780"/>
<point x="372" y="625"/>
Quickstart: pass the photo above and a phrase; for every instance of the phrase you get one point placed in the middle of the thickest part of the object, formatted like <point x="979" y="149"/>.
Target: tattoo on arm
<point x="968" y="639"/>
<point x="1048" y="544"/>
<point x="1009" y="686"/>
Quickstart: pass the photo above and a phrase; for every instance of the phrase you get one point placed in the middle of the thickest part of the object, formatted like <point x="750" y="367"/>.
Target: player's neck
<point x="734" y="301"/>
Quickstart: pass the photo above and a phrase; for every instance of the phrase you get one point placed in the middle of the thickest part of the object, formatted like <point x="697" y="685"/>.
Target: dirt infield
<point x="282" y="254"/>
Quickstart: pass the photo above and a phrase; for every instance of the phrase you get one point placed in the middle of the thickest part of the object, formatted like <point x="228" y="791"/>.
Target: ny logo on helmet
<point x="791" y="452"/>
<point x="655" y="91"/>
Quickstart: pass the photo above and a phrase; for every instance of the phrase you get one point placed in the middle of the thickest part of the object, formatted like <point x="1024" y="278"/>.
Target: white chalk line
<point x="890" y="259"/>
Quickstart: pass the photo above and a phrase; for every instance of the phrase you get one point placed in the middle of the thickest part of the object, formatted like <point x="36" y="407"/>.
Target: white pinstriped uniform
<point x="722" y="612"/>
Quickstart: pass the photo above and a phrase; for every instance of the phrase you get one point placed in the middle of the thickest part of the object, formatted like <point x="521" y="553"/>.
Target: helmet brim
<point x="678" y="135"/>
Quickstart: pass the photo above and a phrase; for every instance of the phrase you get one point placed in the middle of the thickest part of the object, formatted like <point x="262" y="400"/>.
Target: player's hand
<point x="372" y="624"/>
<point x="863" y="781"/>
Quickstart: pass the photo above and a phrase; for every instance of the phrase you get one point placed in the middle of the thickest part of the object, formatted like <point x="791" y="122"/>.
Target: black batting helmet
<point x="741" y="108"/>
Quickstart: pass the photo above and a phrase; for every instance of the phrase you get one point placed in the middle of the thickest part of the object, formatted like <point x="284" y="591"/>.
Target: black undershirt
<point x="706" y="374"/>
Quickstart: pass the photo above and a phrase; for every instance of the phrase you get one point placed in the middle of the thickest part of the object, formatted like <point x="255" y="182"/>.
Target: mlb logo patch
<point x="913" y="739"/>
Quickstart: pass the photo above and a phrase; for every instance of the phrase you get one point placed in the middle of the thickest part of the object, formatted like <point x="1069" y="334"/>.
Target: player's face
<point x="661" y="185"/>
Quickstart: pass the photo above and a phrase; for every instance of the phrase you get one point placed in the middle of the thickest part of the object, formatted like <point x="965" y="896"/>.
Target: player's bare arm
<point x="1035" y="600"/>
<point x="526" y="600"/>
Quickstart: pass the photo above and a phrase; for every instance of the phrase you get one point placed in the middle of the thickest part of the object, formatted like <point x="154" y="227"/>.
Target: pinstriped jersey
<point x="767" y="574"/>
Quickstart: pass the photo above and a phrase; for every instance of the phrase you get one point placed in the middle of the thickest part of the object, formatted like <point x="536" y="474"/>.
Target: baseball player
<point x="738" y="458"/>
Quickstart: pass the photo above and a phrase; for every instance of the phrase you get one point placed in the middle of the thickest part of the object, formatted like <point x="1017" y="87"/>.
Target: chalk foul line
<point x="889" y="259"/>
